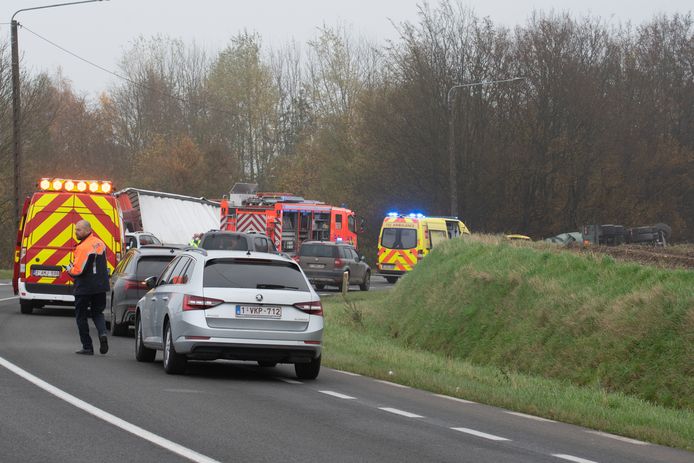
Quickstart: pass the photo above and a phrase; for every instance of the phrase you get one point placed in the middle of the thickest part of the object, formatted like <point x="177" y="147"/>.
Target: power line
<point x="120" y="76"/>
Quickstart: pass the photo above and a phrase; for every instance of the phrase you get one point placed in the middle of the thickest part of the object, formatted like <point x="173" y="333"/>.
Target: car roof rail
<point x="194" y="249"/>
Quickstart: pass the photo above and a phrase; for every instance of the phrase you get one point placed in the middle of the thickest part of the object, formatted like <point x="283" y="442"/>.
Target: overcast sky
<point x="100" y="32"/>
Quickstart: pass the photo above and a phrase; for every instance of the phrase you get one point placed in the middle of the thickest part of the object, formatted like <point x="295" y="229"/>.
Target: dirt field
<point x="678" y="256"/>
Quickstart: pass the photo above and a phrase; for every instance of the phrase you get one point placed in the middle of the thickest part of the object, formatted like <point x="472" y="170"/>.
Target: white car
<point x="137" y="239"/>
<point x="237" y="305"/>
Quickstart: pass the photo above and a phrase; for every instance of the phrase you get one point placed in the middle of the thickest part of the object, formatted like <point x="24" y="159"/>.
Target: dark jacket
<point x="90" y="270"/>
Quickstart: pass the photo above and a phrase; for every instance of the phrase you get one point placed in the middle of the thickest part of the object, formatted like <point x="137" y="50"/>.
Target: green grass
<point x="5" y="274"/>
<point x="580" y="339"/>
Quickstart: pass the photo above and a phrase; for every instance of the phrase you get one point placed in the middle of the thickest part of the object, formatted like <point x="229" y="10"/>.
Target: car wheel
<point x="320" y="286"/>
<point x="366" y="284"/>
<point x="308" y="370"/>
<point x="26" y="307"/>
<point x="117" y="329"/>
<point x="392" y="280"/>
<point x="142" y="353"/>
<point x="174" y="364"/>
<point x="266" y="364"/>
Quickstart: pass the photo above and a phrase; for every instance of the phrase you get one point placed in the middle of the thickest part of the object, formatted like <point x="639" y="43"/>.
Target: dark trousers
<point x="83" y="302"/>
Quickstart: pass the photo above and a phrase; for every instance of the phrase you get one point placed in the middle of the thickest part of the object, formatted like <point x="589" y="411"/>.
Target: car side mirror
<point x="151" y="282"/>
<point x="362" y="258"/>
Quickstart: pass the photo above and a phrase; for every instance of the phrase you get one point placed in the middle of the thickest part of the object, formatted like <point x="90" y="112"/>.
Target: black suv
<point x="128" y="282"/>
<point x="236" y="241"/>
<point x="324" y="262"/>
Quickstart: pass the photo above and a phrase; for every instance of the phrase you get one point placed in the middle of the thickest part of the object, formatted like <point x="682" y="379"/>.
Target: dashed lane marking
<point x="9" y="298"/>
<point x="400" y="412"/>
<point x="349" y="373"/>
<point x="171" y="446"/>
<point x="480" y="434"/>
<point x="338" y="395"/>
<point x="572" y="458"/>
<point x="287" y="380"/>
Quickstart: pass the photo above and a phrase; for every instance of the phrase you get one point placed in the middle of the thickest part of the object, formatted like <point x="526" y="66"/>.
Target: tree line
<point x="600" y="129"/>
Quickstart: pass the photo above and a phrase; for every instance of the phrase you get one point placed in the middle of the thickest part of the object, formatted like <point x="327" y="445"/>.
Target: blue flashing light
<point x="412" y="215"/>
<point x="420" y="215"/>
<point x="392" y="214"/>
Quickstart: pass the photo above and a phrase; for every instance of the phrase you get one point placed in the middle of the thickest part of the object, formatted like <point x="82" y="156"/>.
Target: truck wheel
<point x="26" y="307"/>
<point x="117" y="329"/>
<point x="392" y="280"/>
<point x="364" y="286"/>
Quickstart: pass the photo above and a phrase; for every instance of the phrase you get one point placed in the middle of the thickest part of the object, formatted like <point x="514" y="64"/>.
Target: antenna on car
<point x="248" y="253"/>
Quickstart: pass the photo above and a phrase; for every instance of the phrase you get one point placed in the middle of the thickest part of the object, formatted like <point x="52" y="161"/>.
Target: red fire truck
<point x="289" y="220"/>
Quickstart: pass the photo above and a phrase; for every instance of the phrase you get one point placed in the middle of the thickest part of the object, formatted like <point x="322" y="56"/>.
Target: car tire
<point x="266" y="364"/>
<point x="320" y="286"/>
<point x="308" y="370"/>
<point x="26" y="307"/>
<point x="392" y="280"/>
<point x="142" y="353"/>
<point x="117" y="329"/>
<point x="174" y="364"/>
<point x="366" y="284"/>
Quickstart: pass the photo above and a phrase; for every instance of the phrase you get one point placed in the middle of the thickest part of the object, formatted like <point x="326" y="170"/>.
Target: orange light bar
<point x="60" y="184"/>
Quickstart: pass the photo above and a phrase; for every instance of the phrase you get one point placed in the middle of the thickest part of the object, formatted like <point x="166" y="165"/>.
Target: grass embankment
<point x="575" y="338"/>
<point x="5" y="274"/>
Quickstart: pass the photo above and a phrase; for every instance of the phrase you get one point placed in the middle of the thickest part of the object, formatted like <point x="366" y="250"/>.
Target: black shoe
<point x="103" y="344"/>
<point x="85" y="352"/>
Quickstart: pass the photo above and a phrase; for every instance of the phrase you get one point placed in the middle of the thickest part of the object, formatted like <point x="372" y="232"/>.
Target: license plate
<point x="388" y="266"/>
<point x="45" y="273"/>
<point x="258" y="311"/>
<point x="316" y="265"/>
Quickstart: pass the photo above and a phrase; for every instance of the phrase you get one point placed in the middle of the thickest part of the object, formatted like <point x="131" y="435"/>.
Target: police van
<point x="46" y="237"/>
<point x="405" y="240"/>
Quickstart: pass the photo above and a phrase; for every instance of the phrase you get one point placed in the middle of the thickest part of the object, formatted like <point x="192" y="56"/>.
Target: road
<point x="61" y="407"/>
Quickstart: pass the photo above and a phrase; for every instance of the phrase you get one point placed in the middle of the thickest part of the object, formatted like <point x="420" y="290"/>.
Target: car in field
<point x="128" y="283"/>
<point x="234" y="305"/>
<point x="324" y="262"/>
<point x="137" y="239"/>
<point x="236" y="241"/>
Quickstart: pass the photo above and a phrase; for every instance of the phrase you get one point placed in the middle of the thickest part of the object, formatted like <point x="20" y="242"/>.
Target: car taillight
<point x="420" y="254"/>
<point x="135" y="284"/>
<point x="199" y="303"/>
<point x="297" y="259"/>
<point x="338" y="263"/>
<point x="311" y="308"/>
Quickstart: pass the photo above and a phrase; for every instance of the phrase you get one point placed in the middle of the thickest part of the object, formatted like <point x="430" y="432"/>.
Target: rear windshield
<point x="225" y="242"/>
<point x="253" y="273"/>
<point x="151" y="266"/>
<point x="399" y="238"/>
<point x="318" y="250"/>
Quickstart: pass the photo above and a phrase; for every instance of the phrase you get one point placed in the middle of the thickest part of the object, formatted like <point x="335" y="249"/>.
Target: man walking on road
<point x="90" y="272"/>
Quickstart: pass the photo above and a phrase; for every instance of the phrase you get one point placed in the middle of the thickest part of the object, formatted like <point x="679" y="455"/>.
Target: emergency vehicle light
<point x="59" y="184"/>
<point x="392" y="214"/>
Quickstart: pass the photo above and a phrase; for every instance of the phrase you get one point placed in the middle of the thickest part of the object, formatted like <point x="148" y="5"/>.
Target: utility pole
<point x="16" y="106"/>
<point x="16" y="140"/>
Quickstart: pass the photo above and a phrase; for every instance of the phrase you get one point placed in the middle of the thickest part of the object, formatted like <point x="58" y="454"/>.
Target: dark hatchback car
<point x="218" y="240"/>
<point x="324" y="262"/>
<point x="128" y="282"/>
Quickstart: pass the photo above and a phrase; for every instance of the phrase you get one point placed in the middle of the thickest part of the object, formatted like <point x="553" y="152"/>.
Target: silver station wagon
<point x="237" y="305"/>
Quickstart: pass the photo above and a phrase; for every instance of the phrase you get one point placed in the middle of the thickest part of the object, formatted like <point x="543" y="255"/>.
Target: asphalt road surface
<point x="60" y="407"/>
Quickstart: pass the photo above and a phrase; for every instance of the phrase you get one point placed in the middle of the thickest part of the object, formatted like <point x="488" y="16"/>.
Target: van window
<point x="399" y="238"/>
<point x="351" y="224"/>
<point x="338" y="222"/>
<point x="253" y="273"/>
<point x="261" y="245"/>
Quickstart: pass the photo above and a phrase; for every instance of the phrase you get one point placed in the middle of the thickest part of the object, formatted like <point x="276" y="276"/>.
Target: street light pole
<point x="453" y="165"/>
<point x="16" y="106"/>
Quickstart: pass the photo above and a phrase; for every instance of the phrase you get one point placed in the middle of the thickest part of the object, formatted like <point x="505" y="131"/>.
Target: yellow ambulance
<point x="405" y="240"/>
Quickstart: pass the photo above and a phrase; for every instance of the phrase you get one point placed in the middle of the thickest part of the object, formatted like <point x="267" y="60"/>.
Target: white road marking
<point x="391" y="384"/>
<point x="623" y="439"/>
<point x="287" y="380"/>
<point x="349" y="373"/>
<point x="400" y="412"/>
<point x="455" y="398"/>
<point x="531" y="417"/>
<point x="337" y="394"/>
<point x="9" y="298"/>
<point x="173" y="447"/>
<point x="480" y="434"/>
<point x="572" y="458"/>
